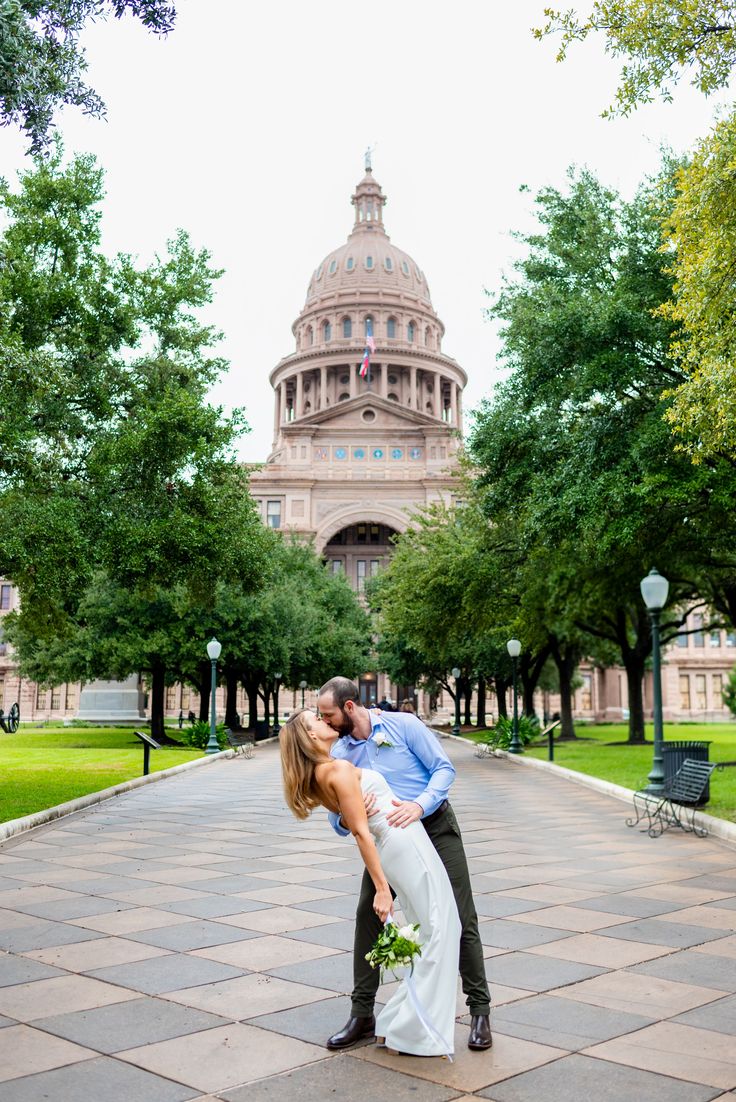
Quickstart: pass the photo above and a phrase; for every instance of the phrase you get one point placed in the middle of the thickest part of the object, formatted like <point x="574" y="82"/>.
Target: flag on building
<point x="370" y="348"/>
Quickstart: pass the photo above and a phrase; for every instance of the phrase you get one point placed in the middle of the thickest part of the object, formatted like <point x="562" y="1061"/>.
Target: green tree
<point x="659" y="40"/>
<point x="42" y="63"/>
<point x="574" y="445"/>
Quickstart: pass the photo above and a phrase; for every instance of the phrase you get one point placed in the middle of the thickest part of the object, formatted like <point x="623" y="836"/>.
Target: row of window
<point x="715" y="638"/>
<point x="369" y="264"/>
<point x="6" y="596"/>
<point x="364" y="568"/>
<point x="694" y="692"/>
<point x="360" y="453"/>
<point x="57" y="699"/>
<point x="368" y="330"/>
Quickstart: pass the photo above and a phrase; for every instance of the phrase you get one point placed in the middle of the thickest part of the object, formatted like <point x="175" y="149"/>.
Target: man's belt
<point x="436" y="814"/>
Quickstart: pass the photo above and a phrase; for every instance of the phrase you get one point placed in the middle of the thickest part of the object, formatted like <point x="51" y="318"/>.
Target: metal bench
<point x="677" y="803"/>
<point x="242" y="743"/>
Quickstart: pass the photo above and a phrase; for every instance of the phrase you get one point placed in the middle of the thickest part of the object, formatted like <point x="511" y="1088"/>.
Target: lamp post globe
<point x="455" y="671"/>
<point x="654" y="590"/>
<point x="514" y="648"/>
<point x="214" y="650"/>
<point x="277" y="682"/>
<point x="302" y="686"/>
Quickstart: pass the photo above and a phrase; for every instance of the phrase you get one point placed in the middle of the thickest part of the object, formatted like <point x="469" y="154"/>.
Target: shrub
<point x="499" y="737"/>
<point x="198" y="734"/>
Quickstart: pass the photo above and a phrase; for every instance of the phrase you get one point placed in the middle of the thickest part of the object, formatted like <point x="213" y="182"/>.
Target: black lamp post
<point x="277" y="682"/>
<point x="302" y="686"/>
<point x="654" y="590"/>
<point x="514" y="648"/>
<point x="214" y="650"/>
<point x="456" y="674"/>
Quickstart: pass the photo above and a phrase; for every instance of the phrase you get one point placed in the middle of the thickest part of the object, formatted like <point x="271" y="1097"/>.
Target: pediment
<point x="349" y="415"/>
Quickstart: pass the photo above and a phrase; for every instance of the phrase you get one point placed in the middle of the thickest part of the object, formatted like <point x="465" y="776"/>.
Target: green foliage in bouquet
<point x="395" y="948"/>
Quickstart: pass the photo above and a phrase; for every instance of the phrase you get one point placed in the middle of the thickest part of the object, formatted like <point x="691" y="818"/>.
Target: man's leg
<point x="367" y="928"/>
<point x="447" y="840"/>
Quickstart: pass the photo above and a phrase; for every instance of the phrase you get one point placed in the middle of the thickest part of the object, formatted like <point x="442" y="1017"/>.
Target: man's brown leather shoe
<point x="354" y="1030"/>
<point x="480" y="1032"/>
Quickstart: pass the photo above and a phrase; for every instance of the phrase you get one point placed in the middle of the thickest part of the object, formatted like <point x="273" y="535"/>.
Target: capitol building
<point x="355" y="453"/>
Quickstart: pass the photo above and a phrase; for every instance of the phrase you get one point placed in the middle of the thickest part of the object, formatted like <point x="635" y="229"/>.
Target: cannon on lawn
<point x="10" y="722"/>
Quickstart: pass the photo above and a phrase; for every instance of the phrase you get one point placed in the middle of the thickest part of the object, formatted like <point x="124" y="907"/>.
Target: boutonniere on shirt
<point x="380" y="740"/>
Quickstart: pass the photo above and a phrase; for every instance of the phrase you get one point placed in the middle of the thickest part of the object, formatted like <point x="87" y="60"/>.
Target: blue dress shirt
<point x="414" y="764"/>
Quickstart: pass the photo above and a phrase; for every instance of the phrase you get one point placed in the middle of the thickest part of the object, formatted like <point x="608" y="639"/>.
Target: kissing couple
<point x="384" y="779"/>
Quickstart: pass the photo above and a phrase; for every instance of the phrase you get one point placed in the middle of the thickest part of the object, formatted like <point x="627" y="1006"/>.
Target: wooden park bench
<point x="677" y="803"/>
<point x="242" y="743"/>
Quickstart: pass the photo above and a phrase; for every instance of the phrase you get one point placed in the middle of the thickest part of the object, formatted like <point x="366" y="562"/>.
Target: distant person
<point x="386" y="705"/>
<point x="407" y="706"/>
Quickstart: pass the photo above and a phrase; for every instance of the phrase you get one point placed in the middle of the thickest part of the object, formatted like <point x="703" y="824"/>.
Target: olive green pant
<point x="447" y="840"/>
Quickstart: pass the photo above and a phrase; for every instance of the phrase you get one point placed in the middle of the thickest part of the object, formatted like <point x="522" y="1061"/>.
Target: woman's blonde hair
<point x="299" y="759"/>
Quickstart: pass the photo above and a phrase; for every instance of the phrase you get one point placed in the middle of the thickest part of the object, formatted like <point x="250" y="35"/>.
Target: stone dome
<point x="368" y="261"/>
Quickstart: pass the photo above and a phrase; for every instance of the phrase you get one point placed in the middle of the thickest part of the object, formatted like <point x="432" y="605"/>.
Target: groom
<point x="409" y="755"/>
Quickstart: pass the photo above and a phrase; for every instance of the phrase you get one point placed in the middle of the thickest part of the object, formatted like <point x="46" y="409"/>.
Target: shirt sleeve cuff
<point x="334" y="820"/>
<point x="424" y="802"/>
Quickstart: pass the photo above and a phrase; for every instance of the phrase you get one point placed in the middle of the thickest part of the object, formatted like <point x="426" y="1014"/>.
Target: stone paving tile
<point x="103" y="953"/>
<point x="140" y="1021"/>
<point x="680" y="1051"/>
<point x="686" y="894"/>
<point x="564" y="1023"/>
<point x="166" y="973"/>
<point x="261" y="953"/>
<point x="314" y="1022"/>
<point x="341" y="1077"/>
<point x="335" y="974"/>
<point x="192" y="935"/>
<point x="645" y="995"/>
<point x="161" y="893"/>
<point x="635" y="906"/>
<point x="719" y="1016"/>
<point x="535" y="973"/>
<point x="579" y="1077"/>
<point x="691" y="966"/>
<point x="221" y="1058"/>
<point x="213" y="906"/>
<point x="247" y="996"/>
<point x="470" y="1071"/>
<point x="27" y="1001"/>
<point x="338" y="935"/>
<point x="659" y="931"/>
<point x="724" y="947"/>
<point x="79" y="906"/>
<point x="278" y="920"/>
<point x="719" y="918"/>
<point x="514" y="935"/>
<point x="127" y="920"/>
<point x="291" y="894"/>
<point x="101" y="1078"/>
<point x="546" y="893"/>
<point x="603" y="952"/>
<point x="16" y="969"/>
<point x="577" y="919"/>
<point x="24" y="1051"/>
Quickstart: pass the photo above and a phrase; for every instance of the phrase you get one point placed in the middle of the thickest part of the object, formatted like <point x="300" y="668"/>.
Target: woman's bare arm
<point x="344" y="785"/>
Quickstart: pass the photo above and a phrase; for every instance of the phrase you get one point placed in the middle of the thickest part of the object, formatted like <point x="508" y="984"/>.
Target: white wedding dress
<point x="423" y="1025"/>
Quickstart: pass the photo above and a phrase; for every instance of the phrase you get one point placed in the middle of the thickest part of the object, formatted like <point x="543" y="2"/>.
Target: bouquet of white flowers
<point x="395" y="947"/>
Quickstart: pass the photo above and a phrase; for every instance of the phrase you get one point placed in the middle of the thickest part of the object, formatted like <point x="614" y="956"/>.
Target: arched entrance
<point x="359" y="551"/>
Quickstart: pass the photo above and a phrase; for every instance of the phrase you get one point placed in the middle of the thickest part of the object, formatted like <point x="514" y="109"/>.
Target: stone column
<point x="459" y="407"/>
<point x="299" y="395"/>
<point x="353" y="370"/>
<point x="276" y="410"/>
<point x="282" y="402"/>
<point x="453" y="404"/>
<point x="322" y="387"/>
<point x="438" y="396"/>
<point x="413" y="386"/>
<point x="384" y="380"/>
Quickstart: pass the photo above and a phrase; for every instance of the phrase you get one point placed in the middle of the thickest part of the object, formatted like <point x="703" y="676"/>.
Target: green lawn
<point x="42" y="767"/>
<point x="595" y="755"/>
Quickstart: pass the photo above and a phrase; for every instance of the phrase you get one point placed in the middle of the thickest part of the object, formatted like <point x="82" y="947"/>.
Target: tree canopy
<point x="42" y="63"/>
<point x="659" y="40"/>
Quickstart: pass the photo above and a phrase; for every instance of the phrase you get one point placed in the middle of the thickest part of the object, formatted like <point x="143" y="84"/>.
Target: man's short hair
<point x="341" y="689"/>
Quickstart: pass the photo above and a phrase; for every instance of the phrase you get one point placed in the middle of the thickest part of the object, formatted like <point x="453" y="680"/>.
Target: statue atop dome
<point x="368" y="158"/>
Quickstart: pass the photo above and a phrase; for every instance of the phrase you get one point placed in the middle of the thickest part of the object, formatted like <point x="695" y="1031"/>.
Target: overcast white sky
<point x="247" y="127"/>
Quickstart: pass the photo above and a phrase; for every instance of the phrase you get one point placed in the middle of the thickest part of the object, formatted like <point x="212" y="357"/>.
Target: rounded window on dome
<point x="391" y="328"/>
<point x="347" y="327"/>
<point x="393" y="397"/>
<point x="350" y="263"/>
<point x="369" y="262"/>
<point x="327" y="331"/>
<point x="410" y="332"/>
<point x="368" y="415"/>
<point x="389" y="264"/>
<point x="343" y="398"/>
<point x="418" y="274"/>
<point x="333" y="267"/>
<point x="404" y="267"/>
<point x="392" y="380"/>
<point x="319" y="272"/>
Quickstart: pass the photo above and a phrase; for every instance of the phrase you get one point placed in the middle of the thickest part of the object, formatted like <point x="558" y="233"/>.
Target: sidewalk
<point x="191" y="940"/>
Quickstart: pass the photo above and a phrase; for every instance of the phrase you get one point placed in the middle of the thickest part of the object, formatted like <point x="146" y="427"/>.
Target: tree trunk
<point x="252" y="693"/>
<point x="481" y="710"/>
<point x="530" y="670"/>
<point x="205" y="678"/>
<point x="500" y="686"/>
<point x="158" y="676"/>
<point x="468" y="690"/>
<point x="232" y="720"/>
<point x="566" y="659"/>
<point x="634" y="665"/>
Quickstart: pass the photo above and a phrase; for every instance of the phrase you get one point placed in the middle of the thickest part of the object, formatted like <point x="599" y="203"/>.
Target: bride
<point x="419" y="1019"/>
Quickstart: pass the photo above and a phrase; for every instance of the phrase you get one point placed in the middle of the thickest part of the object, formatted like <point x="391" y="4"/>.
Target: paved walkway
<point x="190" y="940"/>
